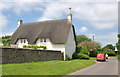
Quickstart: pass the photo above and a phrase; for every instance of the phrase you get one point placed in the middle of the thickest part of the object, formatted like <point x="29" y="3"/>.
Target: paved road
<point x="100" y="68"/>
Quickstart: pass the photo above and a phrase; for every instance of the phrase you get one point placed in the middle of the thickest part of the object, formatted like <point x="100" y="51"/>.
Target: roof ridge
<point x="46" y="21"/>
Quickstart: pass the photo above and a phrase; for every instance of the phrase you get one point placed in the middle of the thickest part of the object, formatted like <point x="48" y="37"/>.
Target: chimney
<point x="19" y="22"/>
<point x="70" y="15"/>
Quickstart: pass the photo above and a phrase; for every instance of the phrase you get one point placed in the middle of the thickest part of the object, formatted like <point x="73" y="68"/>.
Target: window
<point x="44" y="39"/>
<point x="21" y="40"/>
<point x="41" y="40"/>
<point x="24" y="40"/>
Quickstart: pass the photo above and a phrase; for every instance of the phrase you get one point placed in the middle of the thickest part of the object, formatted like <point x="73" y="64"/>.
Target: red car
<point x="101" y="57"/>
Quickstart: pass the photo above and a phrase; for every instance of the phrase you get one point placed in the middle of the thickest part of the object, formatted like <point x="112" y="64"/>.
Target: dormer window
<point x="43" y="40"/>
<point x="23" y="40"/>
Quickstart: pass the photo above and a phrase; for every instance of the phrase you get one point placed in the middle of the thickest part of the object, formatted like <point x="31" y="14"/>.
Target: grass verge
<point x="46" y="67"/>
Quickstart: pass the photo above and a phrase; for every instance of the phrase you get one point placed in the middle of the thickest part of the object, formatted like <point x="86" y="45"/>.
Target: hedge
<point x="82" y="56"/>
<point x="110" y="53"/>
<point x="34" y="46"/>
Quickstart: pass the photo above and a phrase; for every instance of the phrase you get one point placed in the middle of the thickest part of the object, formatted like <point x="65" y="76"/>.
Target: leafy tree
<point x="81" y="38"/>
<point x="110" y="46"/>
<point x="118" y="44"/>
<point x="6" y="40"/>
<point x="91" y="45"/>
<point x="84" y="50"/>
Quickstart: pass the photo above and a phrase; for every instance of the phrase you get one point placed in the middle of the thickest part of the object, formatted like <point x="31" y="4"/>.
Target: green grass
<point x="46" y="67"/>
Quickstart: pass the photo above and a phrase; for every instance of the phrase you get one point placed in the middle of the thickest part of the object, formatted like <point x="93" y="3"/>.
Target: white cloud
<point x="83" y="29"/>
<point x="54" y="11"/>
<point x="3" y="21"/>
<point x="99" y="15"/>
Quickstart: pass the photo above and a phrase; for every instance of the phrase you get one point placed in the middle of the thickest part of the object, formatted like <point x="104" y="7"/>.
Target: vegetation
<point x="91" y="45"/>
<point x="81" y="38"/>
<point x="81" y="53"/>
<point x="109" y="46"/>
<point x="67" y="58"/>
<point x="6" y="40"/>
<point x="110" y="53"/>
<point x="82" y="56"/>
<point x="118" y="57"/>
<point x="93" y="53"/>
<point x="118" y="44"/>
<point x="46" y="67"/>
<point x="34" y="46"/>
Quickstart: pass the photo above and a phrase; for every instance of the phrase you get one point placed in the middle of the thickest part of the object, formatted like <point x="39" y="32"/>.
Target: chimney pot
<point x="70" y="15"/>
<point x="19" y="22"/>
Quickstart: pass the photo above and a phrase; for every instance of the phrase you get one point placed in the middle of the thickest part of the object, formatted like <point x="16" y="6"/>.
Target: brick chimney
<point x="70" y="15"/>
<point x="19" y="22"/>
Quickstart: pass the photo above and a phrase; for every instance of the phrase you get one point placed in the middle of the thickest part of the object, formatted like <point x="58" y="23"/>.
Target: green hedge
<point x="81" y="53"/>
<point x="74" y="56"/>
<point x="93" y="53"/>
<point x="67" y="58"/>
<point x="82" y="56"/>
<point x="118" y="57"/>
<point x="110" y="53"/>
<point x="34" y="46"/>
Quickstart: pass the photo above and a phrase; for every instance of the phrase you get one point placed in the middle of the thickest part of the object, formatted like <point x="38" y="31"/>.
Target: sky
<point x="90" y="17"/>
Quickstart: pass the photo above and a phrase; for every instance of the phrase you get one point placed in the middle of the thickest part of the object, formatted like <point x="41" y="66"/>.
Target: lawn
<point x="46" y="67"/>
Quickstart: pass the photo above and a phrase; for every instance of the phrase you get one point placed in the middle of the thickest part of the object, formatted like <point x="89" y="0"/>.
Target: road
<point x="100" y="68"/>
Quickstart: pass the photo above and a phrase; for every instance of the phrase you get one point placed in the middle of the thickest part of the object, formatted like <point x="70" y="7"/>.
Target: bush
<point x="84" y="50"/>
<point x="78" y="48"/>
<point x="74" y="55"/>
<point x="24" y="46"/>
<point x="110" y="53"/>
<point x="82" y="56"/>
<point x="118" y="57"/>
<point x="93" y="53"/>
<point x="67" y="58"/>
<point x="34" y="46"/>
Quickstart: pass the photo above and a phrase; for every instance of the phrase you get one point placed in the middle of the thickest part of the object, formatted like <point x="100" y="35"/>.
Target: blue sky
<point x="97" y="18"/>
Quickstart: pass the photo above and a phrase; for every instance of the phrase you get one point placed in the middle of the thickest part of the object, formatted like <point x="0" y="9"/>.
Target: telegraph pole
<point x="93" y="38"/>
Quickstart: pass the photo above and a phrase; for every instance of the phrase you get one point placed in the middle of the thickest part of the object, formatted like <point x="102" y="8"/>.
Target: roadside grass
<point x="46" y="67"/>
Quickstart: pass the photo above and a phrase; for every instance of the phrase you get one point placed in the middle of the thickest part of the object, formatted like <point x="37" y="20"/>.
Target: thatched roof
<point x="56" y="30"/>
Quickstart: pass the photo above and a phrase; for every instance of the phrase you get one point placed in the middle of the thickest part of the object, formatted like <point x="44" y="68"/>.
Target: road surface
<point x="100" y="68"/>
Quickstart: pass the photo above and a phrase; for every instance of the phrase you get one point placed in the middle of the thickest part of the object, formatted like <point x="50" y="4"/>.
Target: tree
<point x="6" y="40"/>
<point x="81" y="38"/>
<point x="91" y="45"/>
<point x="118" y="44"/>
<point x="110" y="46"/>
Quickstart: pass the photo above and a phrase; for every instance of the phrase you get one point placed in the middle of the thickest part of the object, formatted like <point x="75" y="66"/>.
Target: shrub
<point x="34" y="46"/>
<point x="82" y="56"/>
<point x="93" y="53"/>
<point x="118" y="57"/>
<point x="110" y="53"/>
<point x="78" y="48"/>
<point x="24" y="46"/>
<point x="74" y="55"/>
<point x="84" y="50"/>
<point x="67" y="58"/>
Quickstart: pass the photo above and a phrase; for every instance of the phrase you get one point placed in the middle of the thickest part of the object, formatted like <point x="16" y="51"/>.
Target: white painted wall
<point x="51" y="46"/>
<point x="20" y="45"/>
<point x="70" y="45"/>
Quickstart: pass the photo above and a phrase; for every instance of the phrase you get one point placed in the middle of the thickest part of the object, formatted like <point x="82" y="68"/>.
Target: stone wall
<point x="18" y="55"/>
